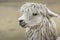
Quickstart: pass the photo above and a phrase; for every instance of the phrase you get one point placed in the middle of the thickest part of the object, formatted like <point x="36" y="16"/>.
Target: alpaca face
<point x="33" y="13"/>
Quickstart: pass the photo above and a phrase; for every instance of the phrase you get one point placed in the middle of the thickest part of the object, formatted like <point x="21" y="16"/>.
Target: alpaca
<point x="38" y="21"/>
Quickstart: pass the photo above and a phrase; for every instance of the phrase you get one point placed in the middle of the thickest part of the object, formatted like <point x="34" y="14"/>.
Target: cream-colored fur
<point x="39" y="22"/>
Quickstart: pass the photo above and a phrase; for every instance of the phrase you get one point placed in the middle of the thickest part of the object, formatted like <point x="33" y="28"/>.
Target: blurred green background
<point x="9" y="14"/>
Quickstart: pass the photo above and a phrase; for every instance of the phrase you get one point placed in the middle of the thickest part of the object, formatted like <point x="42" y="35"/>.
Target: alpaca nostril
<point x="20" y="21"/>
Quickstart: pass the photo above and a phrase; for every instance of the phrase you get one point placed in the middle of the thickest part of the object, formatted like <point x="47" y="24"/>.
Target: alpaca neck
<point x="43" y="31"/>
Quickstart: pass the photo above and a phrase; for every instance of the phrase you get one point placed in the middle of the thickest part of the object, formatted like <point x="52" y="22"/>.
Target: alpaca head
<point x="33" y="14"/>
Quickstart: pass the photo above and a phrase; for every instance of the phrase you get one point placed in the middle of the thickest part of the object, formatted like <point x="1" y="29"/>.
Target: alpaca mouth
<point x="23" y="24"/>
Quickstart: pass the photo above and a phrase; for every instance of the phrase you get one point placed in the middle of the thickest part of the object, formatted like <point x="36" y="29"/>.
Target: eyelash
<point x="34" y="14"/>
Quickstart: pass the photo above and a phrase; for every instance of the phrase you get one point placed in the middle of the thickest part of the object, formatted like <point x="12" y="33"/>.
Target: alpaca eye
<point x="34" y="14"/>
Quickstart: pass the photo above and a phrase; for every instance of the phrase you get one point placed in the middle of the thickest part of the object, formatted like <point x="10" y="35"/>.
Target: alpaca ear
<point x="52" y="14"/>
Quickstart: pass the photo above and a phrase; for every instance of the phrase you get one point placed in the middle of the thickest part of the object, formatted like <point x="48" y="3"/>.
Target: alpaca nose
<point x="20" y="21"/>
